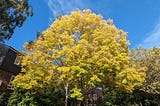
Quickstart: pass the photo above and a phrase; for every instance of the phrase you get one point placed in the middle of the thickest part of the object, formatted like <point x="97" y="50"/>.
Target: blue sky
<point x="140" y="18"/>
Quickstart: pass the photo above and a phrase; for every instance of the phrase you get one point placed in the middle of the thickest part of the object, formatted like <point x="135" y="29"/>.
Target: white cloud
<point x="63" y="7"/>
<point x="153" y="39"/>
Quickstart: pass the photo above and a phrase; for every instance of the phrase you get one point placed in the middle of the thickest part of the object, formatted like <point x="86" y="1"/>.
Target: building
<point x="9" y="66"/>
<point x="94" y="97"/>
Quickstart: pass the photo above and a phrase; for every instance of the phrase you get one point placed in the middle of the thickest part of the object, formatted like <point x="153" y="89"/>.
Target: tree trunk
<point x="66" y="99"/>
<point x="79" y="103"/>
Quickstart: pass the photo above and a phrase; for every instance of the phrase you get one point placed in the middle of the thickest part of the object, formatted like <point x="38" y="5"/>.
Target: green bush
<point x="4" y="98"/>
<point x="31" y="98"/>
<point x="136" y="98"/>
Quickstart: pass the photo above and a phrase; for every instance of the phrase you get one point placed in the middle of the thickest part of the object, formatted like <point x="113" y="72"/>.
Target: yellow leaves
<point x="33" y="79"/>
<point x="130" y="78"/>
<point x="63" y="69"/>
<point x="37" y="70"/>
<point x="66" y="73"/>
<point x="109" y="22"/>
<point x="124" y="81"/>
<point x="78" y="49"/>
<point x="19" y="79"/>
<point x="76" y="93"/>
<point x="87" y="11"/>
<point x="78" y="71"/>
<point x="95" y="78"/>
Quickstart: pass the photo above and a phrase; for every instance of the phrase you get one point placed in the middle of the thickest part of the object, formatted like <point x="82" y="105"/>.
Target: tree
<point x="149" y="58"/>
<point x="13" y="14"/>
<point x="136" y="98"/>
<point x="76" y="52"/>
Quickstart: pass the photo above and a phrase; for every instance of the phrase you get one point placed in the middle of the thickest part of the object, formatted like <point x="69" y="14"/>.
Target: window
<point x="18" y="60"/>
<point x="1" y="82"/>
<point x="1" y="58"/>
<point x="90" y="104"/>
<point x="10" y="85"/>
<point x="95" y="97"/>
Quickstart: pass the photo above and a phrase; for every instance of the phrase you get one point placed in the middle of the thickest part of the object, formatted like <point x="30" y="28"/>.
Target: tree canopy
<point x="149" y="58"/>
<point x="77" y="52"/>
<point x="13" y="14"/>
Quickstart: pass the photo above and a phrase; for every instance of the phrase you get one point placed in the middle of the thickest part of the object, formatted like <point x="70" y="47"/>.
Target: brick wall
<point x="5" y="78"/>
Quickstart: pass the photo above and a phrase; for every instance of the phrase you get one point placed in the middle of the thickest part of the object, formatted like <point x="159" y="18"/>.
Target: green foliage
<point x="115" y="97"/>
<point x="31" y="98"/>
<point x="4" y="99"/>
<point x="13" y="14"/>
<point x="22" y="98"/>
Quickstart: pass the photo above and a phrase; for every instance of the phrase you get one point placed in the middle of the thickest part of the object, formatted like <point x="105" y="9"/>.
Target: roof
<point x="4" y="46"/>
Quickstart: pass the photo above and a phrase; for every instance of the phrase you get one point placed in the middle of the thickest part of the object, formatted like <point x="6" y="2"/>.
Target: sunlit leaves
<point x="129" y="78"/>
<point x="76" y="52"/>
<point x="76" y="93"/>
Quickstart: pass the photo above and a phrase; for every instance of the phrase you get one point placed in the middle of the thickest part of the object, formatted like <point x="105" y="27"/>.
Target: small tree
<point x="76" y="52"/>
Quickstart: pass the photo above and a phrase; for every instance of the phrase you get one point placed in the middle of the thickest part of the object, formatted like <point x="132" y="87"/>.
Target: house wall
<point x="5" y="78"/>
<point x="8" y="62"/>
<point x="9" y="67"/>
